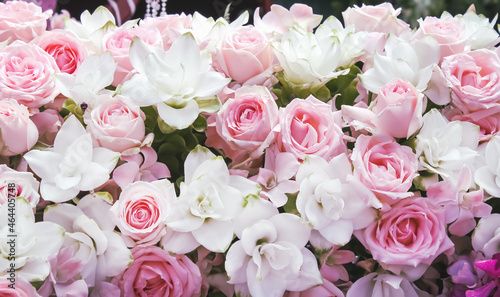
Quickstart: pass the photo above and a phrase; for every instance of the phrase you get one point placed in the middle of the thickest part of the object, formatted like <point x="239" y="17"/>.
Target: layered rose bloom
<point x="67" y="49"/>
<point x="141" y="210"/>
<point x="25" y="185"/>
<point x="243" y="54"/>
<point x="309" y="127"/>
<point x="154" y="272"/>
<point x="26" y="74"/>
<point x="18" y="133"/>
<point x="408" y="237"/>
<point x="22" y="288"/>
<point x="22" y="21"/>
<point x="474" y="79"/>
<point x="384" y="166"/>
<point x="246" y="124"/>
<point x="116" y="123"/>
<point x="170" y="26"/>
<point x="379" y="18"/>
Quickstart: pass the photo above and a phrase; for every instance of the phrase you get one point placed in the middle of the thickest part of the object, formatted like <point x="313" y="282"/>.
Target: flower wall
<point x="299" y="156"/>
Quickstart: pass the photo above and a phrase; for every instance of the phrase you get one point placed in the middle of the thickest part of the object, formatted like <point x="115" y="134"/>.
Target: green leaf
<point x="200" y="124"/>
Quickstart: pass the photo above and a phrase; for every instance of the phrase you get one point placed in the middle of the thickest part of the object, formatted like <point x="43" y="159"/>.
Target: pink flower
<point x="154" y="272"/>
<point x="279" y="19"/>
<point x="474" y="79"/>
<point x="375" y="18"/>
<point x="245" y="125"/>
<point x="25" y="185"/>
<point x="68" y="51"/>
<point x="141" y="209"/>
<point x="116" y="123"/>
<point x="492" y="269"/>
<point x="384" y="166"/>
<point x="244" y="53"/>
<point x="118" y="42"/>
<point x="488" y="121"/>
<point x="57" y="19"/>
<point x="408" y="237"/>
<point x="22" y="21"/>
<point x="22" y="288"/>
<point x="310" y="127"/>
<point x="48" y="123"/>
<point x="170" y="27"/>
<point x="26" y="74"/>
<point x="17" y="132"/>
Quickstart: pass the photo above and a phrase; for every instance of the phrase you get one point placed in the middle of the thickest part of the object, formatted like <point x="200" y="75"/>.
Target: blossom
<point x="72" y="165"/>
<point x="26" y="185"/>
<point x="485" y="237"/>
<point x="18" y="133"/>
<point x="375" y="18"/>
<point x="378" y="284"/>
<point x="23" y="21"/>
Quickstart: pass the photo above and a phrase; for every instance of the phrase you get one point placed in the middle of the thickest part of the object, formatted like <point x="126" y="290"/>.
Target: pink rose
<point x="26" y="74"/>
<point x="384" y="166"/>
<point x="141" y="209"/>
<point x="57" y="19"/>
<point x="244" y="53"/>
<point x="20" y="20"/>
<point x="447" y="31"/>
<point x="116" y="123"/>
<point x="488" y="121"/>
<point x="170" y="27"/>
<point x="48" y="123"/>
<point x="22" y="288"/>
<point x="154" y="272"/>
<point x="118" y="42"/>
<point x="300" y="17"/>
<point x="408" y="237"/>
<point x="17" y="132"/>
<point x="474" y="79"/>
<point x="310" y="127"/>
<point x="68" y="51"/>
<point x="375" y="18"/>
<point x="25" y="185"/>
<point x="244" y="125"/>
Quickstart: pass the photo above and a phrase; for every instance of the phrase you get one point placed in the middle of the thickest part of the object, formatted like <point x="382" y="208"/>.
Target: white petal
<point x="179" y="118"/>
<point x="338" y="232"/>
<point x="179" y="242"/>
<point x="309" y="275"/>
<point x="51" y="192"/>
<point x="236" y="263"/>
<point x="118" y="257"/>
<point x="270" y="286"/>
<point x="215" y="235"/>
<point x="291" y="228"/>
<point x="256" y="209"/>
<point x="70" y="131"/>
<point x="105" y="158"/>
<point x="97" y="210"/>
<point x="63" y="215"/>
<point x="43" y="163"/>
<point x="197" y="156"/>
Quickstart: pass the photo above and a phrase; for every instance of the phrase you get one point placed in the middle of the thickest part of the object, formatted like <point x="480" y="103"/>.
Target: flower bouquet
<point x="298" y="156"/>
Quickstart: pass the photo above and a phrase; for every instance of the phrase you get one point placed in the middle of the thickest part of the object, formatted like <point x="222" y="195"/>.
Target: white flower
<point x="271" y="258"/>
<point x="384" y="284"/>
<point x="444" y="147"/>
<point x="210" y="199"/>
<point x="332" y="200"/>
<point x="479" y="31"/>
<point x="488" y="176"/>
<point x="93" y="75"/>
<point x="33" y="244"/>
<point x="179" y="82"/>
<point x="73" y="165"/>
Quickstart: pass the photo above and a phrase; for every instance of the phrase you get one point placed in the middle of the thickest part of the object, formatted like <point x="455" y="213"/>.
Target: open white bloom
<point x="333" y="200"/>
<point x="271" y="258"/>
<point x="179" y="82"/>
<point x="210" y="199"/>
<point x="33" y="244"/>
<point x="95" y="249"/>
<point x="72" y="165"/>
<point x="488" y="176"/>
<point x="479" y="31"/>
<point x="444" y="147"/>
<point x="93" y="75"/>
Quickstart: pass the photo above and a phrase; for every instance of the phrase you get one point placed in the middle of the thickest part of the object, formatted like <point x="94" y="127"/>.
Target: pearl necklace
<point x="153" y="7"/>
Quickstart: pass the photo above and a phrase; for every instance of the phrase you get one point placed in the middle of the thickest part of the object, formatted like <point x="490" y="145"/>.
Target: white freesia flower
<point x="33" y="244"/>
<point x="73" y="165"/>
<point x="210" y="199"/>
<point x="271" y="258"/>
<point x="444" y="147"/>
<point x="91" y="243"/>
<point x="94" y="74"/>
<point x="179" y="82"/>
<point x="332" y="200"/>
<point x="488" y="176"/>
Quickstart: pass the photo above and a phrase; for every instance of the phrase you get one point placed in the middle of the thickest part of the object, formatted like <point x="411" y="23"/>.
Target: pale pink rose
<point x="384" y="166"/>
<point x="116" y="123"/>
<point x="474" y="79"/>
<point x="244" y="53"/>
<point x="57" y="19"/>
<point x="154" y="272"/>
<point x="26" y="74"/>
<point x="408" y="237"/>
<point x="141" y="209"/>
<point x="48" y="123"/>
<point x="279" y="19"/>
<point x="375" y="18"/>
<point x="17" y="132"/>
<point x="22" y="288"/>
<point x="22" y="21"/>
<point x="448" y="31"/>
<point x="68" y="51"/>
<point x="310" y="127"/>
<point x="18" y="184"/>
<point x="244" y="125"/>
<point x="118" y="42"/>
<point x="170" y="27"/>
<point x="488" y="121"/>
